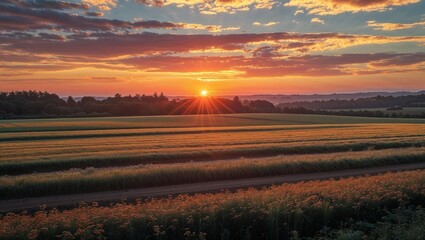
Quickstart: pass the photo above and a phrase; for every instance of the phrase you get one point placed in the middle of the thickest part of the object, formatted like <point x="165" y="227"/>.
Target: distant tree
<point x="86" y="100"/>
<point x="51" y="109"/>
<point x="262" y="106"/>
<point x="33" y="108"/>
<point x="71" y="102"/>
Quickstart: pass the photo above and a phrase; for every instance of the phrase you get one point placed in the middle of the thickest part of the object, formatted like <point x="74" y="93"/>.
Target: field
<point x="52" y="157"/>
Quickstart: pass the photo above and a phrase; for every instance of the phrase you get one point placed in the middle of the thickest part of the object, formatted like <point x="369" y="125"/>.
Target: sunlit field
<point x="54" y="157"/>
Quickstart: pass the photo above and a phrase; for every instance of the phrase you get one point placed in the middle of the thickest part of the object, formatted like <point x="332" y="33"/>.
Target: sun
<point x="203" y="93"/>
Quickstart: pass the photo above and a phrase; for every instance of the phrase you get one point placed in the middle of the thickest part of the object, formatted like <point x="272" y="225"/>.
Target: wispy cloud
<point x="332" y="7"/>
<point x="268" y="24"/>
<point x="103" y="5"/>
<point x="317" y="20"/>
<point x="394" y="26"/>
<point x="214" y="6"/>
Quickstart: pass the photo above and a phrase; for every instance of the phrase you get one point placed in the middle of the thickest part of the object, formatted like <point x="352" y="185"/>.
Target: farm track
<point x="16" y="205"/>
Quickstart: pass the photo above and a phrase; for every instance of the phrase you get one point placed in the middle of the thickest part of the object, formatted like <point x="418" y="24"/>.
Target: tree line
<point x="354" y="113"/>
<point x="36" y="104"/>
<point x="373" y="102"/>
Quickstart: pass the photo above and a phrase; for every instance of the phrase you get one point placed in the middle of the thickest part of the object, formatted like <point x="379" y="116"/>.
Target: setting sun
<point x="204" y="93"/>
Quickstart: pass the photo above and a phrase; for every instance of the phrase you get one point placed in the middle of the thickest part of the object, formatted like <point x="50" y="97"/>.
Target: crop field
<point x="52" y="157"/>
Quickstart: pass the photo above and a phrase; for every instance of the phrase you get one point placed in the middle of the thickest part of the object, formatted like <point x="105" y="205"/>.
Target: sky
<point x="239" y="47"/>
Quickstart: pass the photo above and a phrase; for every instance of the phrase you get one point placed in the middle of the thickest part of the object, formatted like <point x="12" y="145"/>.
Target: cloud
<point x="94" y="14"/>
<point x="214" y="6"/>
<point x="103" y="44"/>
<point x="170" y="53"/>
<point x="103" y="5"/>
<point x="332" y="7"/>
<point x="209" y="28"/>
<point x="47" y="4"/>
<point x="266" y="65"/>
<point x="19" y="18"/>
<point x="299" y="11"/>
<point x="402" y="60"/>
<point x="269" y="24"/>
<point x="317" y="20"/>
<point x="266" y="51"/>
<point x="394" y="26"/>
<point x="14" y="17"/>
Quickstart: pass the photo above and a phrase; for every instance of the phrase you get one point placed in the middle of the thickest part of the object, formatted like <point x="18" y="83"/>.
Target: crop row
<point x="105" y="179"/>
<point x="183" y="155"/>
<point x="20" y="157"/>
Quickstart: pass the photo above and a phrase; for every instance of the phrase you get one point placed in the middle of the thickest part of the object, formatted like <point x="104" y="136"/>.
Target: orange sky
<point x="99" y="47"/>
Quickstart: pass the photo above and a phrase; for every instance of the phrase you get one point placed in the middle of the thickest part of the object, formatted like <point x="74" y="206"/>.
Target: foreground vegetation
<point x="104" y="179"/>
<point x="403" y="223"/>
<point x="272" y="213"/>
<point x="44" y="152"/>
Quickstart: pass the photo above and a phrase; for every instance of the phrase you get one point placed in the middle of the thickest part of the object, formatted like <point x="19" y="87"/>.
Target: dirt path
<point x="202" y="187"/>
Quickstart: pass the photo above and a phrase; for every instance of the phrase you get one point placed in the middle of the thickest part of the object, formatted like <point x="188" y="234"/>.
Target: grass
<point x="105" y="179"/>
<point x="271" y="213"/>
<point x="104" y="148"/>
<point x="402" y="223"/>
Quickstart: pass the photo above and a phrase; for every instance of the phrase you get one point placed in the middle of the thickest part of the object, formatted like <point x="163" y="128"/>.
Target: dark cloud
<point x="108" y="44"/>
<point x="266" y="51"/>
<point x="94" y="14"/>
<point x="21" y="18"/>
<point x="402" y="60"/>
<point x="58" y="5"/>
<point x="155" y="3"/>
<point x="308" y="65"/>
<point x="49" y="36"/>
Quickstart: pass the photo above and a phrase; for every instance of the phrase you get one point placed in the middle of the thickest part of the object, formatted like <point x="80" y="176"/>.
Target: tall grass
<point x="272" y="213"/>
<point x="104" y="179"/>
